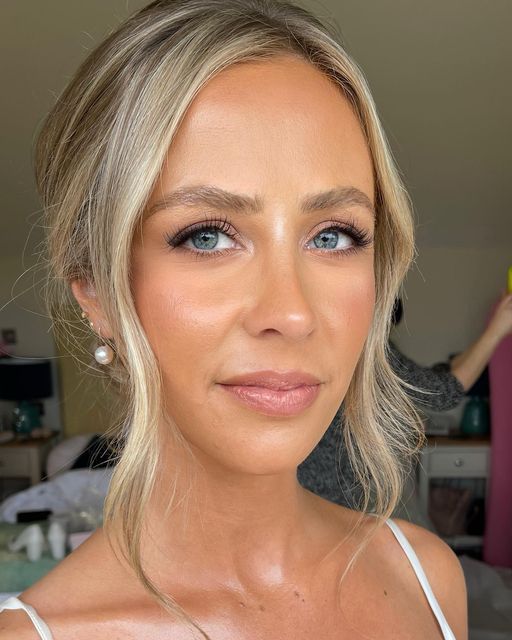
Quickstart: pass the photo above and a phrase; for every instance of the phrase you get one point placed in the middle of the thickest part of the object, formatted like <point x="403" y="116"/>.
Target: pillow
<point x="77" y="490"/>
<point x="64" y="454"/>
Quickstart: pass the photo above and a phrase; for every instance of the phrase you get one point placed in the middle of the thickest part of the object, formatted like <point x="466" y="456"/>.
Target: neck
<point x="244" y="531"/>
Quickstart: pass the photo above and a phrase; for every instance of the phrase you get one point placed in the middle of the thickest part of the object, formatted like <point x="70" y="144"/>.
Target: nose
<point x="281" y="301"/>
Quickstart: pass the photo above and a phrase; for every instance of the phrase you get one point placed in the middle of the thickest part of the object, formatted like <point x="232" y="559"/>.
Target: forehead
<point x="271" y="124"/>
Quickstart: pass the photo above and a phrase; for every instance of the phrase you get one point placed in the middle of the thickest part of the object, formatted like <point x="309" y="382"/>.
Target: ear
<point x="85" y="294"/>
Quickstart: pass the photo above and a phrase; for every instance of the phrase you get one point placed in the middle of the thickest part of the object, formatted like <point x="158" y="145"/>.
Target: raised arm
<point x="468" y="365"/>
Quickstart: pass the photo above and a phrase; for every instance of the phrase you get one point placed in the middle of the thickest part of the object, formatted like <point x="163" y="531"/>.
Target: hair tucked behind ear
<point x="98" y="156"/>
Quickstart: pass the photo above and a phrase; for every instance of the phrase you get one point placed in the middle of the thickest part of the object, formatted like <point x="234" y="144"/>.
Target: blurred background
<point x="440" y="75"/>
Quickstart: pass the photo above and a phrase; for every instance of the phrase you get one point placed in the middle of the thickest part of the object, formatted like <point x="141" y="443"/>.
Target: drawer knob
<point x="458" y="462"/>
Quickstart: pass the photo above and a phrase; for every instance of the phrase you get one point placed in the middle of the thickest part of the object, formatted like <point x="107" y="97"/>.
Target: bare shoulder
<point x="16" y="625"/>
<point x="444" y="573"/>
<point x="78" y="588"/>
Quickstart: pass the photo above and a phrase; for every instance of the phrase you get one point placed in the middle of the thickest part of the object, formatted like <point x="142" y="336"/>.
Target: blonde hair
<point x="99" y="153"/>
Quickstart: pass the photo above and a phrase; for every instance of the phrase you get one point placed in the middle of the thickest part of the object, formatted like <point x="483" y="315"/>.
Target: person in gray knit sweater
<point x="327" y="471"/>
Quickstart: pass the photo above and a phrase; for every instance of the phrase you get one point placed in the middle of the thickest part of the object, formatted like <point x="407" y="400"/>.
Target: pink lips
<point x="274" y="393"/>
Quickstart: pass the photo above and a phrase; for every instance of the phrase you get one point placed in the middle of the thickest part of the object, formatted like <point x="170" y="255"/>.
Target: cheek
<point x="183" y="317"/>
<point x="188" y="306"/>
<point x="348" y="315"/>
<point x="191" y="321"/>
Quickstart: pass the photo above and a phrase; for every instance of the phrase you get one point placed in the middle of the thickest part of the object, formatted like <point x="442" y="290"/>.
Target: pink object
<point x="498" y="528"/>
<point x="6" y="349"/>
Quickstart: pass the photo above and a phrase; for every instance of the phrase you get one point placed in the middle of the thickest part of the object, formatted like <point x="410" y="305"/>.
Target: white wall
<point x="450" y="292"/>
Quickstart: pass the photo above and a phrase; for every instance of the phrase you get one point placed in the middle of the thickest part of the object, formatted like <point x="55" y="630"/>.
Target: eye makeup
<point x="210" y="228"/>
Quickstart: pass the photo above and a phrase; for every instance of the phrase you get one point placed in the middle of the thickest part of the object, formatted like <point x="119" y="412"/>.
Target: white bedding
<point x="79" y="489"/>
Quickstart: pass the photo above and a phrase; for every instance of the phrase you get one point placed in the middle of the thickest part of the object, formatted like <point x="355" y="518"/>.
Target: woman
<point x="223" y="205"/>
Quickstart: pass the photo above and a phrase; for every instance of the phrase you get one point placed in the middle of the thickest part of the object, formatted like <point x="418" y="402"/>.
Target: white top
<point x="45" y="633"/>
<point x="41" y="626"/>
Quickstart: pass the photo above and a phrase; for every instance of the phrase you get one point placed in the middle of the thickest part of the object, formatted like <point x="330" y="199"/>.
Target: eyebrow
<point x="216" y="198"/>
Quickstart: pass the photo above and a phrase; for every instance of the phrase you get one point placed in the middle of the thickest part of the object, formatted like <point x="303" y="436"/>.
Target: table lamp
<point x="25" y="380"/>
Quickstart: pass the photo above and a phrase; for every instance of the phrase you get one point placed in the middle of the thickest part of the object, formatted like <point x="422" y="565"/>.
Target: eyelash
<point x="360" y="237"/>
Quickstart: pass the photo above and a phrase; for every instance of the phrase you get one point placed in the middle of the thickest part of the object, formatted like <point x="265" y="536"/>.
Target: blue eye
<point x="206" y="239"/>
<point x="216" y="237"/>
<point x="328" y="239"/>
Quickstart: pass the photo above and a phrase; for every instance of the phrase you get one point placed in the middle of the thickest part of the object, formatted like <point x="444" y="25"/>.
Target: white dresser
<point x="455" y="458"/>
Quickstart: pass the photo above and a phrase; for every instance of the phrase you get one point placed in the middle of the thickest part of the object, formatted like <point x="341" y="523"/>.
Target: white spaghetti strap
<point x="41" y="627"/>
<point x="425" y="585"/>
<point x="45" y="634"/>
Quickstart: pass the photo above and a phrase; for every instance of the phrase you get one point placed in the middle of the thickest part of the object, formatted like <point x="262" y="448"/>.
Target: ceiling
<point x="440" y="72"/>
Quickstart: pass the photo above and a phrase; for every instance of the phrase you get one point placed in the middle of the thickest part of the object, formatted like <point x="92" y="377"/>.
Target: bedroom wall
<point x="22" y="309"/>
<point x="450" y="293"/>
<point x="87" y="406"/>
<point x="80" y="404"/>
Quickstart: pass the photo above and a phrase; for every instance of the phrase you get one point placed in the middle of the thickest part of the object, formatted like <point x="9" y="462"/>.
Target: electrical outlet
<point x="9" y="336"/>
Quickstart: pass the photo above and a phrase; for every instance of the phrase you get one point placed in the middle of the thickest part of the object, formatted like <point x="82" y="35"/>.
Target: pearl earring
<point x="104" y="354"/>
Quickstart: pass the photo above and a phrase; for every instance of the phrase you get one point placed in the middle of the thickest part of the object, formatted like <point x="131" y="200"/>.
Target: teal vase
<point x="475" y="419"/>
<point x="26" y="417"/>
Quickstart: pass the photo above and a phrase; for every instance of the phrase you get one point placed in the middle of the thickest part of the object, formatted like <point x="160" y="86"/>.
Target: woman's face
<point x="255" y="261"/>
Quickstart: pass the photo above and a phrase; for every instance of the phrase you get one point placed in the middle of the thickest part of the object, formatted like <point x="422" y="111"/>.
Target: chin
<point x="276" y="449"/>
